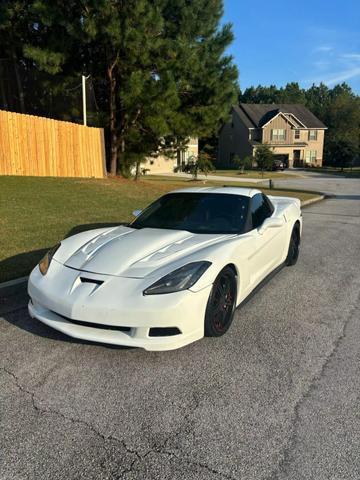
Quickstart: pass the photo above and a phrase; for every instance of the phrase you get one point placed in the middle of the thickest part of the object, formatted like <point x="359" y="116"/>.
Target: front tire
<point x="221" y="305"/>
<point x="294" y="247"/>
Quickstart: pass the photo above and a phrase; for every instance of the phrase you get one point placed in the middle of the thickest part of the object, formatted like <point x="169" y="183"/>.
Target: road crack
<point x="49" y="411"/>
<point x="291" y="443"/>
<point x="156" y="449"/>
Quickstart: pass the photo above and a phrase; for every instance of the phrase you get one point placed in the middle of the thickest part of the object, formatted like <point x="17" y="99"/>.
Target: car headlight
<point x="181" y="279"/>
<point x="44" y="263"/>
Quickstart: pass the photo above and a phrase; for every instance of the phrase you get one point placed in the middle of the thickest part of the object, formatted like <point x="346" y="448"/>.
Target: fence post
<point x="84" y="98"/>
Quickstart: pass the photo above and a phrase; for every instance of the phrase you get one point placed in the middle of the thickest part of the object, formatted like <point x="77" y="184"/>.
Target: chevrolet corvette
<point x="172" y="276"/>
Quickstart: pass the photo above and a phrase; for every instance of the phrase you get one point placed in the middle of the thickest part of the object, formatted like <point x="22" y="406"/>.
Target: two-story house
<point x="293" y="133"/>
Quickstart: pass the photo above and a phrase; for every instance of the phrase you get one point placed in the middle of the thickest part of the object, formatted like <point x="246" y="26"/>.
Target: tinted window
<point x="197" y="213"/>
<point x="261" y="209"/>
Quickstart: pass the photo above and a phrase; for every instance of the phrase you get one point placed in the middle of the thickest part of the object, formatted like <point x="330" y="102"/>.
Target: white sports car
<point x="175" y="274"/>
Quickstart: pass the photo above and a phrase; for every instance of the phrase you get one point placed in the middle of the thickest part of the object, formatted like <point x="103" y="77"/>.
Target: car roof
<point x="246" y="192"/>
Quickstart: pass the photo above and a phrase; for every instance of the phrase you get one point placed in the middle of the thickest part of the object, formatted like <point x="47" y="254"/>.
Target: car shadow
<point x="13" y="309"/>
<point x="14" y="299"/>
<point x="347" y="197"/>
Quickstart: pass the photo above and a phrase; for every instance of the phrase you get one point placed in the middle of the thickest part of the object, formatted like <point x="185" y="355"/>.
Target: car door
<point x="269" y="242"/>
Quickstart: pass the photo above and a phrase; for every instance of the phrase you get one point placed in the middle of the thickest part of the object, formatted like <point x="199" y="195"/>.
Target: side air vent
<point x="164" y="332"/>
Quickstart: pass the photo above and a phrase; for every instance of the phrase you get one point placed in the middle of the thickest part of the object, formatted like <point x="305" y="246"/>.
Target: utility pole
<point x="84" y="97"/>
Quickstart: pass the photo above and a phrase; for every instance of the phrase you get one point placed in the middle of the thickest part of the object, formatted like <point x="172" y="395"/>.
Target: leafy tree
<point x="263" y="157"/>
<point x="169" y="78"/>
<point x="200" y="163"/>
<point x="292" y="93"/>
<point x="343" y="151"/>
<point x="342" y="117"/>
<point x="260" y="94"/>
<point x="318" y="99"/>
<point x="242" y="163"/>
<point x="159" y="67"/>
<point x="14" y="32"/>
<point x="205" y="76"/>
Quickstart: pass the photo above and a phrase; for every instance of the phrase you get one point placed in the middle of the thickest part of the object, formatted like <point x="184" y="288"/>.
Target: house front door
<point x="296" y="157"/>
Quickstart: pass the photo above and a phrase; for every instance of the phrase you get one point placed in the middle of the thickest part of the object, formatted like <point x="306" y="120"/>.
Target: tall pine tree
<point x="158" y="67"/>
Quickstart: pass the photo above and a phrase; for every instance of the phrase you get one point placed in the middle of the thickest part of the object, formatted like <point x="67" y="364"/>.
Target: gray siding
<point x="233" y="140"/>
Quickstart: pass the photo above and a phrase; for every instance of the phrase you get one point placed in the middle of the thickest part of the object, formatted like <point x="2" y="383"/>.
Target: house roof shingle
<point x="255" y="115"/>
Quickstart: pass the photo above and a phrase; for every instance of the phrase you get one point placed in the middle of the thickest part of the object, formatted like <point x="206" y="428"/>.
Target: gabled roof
<point x="256" y="115"/>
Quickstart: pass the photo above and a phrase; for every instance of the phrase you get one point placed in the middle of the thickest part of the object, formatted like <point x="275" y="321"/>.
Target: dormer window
<point x="297" y="134"/>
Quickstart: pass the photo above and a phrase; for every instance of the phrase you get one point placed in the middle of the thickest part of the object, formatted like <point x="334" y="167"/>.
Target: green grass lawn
<point x="347" y="173"/>
<point x="252" y="174"/>
<point x="37" y="212"/>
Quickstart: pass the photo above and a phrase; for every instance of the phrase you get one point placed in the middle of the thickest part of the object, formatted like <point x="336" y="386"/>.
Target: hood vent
<point x="91" y="280"/>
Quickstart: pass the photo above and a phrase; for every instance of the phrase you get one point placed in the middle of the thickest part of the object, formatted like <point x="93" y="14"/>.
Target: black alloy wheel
<point x="221" y="304"/>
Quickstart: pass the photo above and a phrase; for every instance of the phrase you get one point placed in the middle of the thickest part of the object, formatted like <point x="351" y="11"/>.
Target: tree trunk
<point x="2" y="91"/>
<point x="21" y="91"/>
<point x="137" y="171"/>
<point x="113" y="130"/>
<point x="18" y="82"/>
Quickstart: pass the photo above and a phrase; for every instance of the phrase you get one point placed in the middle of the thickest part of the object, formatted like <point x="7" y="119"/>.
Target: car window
<point x="197" y="213"/>
<point x="261" y="209"/>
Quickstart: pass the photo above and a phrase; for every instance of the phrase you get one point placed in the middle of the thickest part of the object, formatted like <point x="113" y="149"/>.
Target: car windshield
<point x="197" y="213"/>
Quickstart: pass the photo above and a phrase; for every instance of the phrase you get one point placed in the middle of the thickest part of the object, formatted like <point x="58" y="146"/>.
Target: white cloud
<point x="334" y="65"/>
<point x="342" y="76"/>
<point x="333" y="57"/>
<point x="351" y="56"/>
<point x="323" y="48"/>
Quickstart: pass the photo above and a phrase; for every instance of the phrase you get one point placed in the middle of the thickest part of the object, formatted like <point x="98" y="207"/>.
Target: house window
<point x="278" y="134"/>
<point x="310" y="156"/>
<point x="297" y="134"/>
<point x="312" y="134"/>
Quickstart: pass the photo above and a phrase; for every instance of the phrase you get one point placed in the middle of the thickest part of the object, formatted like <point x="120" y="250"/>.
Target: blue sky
<point x="278" y="41"/>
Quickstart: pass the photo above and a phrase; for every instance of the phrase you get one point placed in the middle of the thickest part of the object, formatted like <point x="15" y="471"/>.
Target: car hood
<point x="128" y="252"/>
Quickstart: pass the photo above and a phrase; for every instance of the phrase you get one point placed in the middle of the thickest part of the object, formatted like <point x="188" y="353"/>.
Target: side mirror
<point x="136" y="213"/>
<point x="270" y="223"/>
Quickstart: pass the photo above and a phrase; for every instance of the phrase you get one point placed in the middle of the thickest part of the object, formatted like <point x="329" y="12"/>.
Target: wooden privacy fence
<point x="41" y="146"/>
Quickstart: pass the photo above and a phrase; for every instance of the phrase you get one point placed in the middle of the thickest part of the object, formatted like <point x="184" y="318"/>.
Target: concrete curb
<point x="13" y="283"/>
<point x="313" y="200"/>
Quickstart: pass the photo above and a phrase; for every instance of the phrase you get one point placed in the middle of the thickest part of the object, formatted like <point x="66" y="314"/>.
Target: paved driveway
<point x="277" y="398"/>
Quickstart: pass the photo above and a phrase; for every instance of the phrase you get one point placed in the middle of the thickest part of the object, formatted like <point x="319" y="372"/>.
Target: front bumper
<point x="62" y="296"/>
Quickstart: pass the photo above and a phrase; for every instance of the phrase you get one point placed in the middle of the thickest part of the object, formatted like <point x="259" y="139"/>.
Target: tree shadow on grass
<point x="92" y="226"/>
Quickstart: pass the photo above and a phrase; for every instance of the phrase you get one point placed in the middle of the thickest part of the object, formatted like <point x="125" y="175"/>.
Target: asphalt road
<point x="277" y="398"/>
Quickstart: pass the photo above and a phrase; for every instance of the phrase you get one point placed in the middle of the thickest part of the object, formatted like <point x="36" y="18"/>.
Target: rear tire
<point x="294" y="247"/>
<point x="221" y="305"/>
